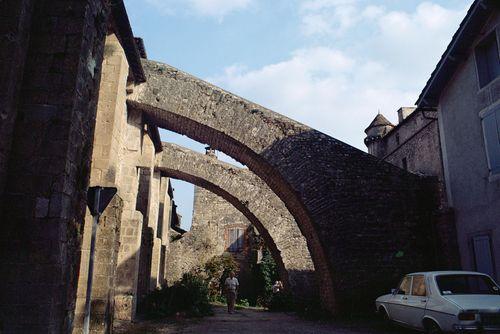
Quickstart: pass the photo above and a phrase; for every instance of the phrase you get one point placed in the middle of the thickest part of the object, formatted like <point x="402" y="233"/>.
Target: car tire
<point x="432" y="328"/>
<point x="384" y="317"/>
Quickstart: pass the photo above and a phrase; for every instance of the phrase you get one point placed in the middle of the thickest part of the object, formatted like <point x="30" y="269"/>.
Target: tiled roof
<point x="379" y="120"/>
<point x="456" y="51"/>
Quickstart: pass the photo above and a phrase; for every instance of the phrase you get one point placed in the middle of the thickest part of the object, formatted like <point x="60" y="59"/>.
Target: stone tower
<point x="377" y="129"/>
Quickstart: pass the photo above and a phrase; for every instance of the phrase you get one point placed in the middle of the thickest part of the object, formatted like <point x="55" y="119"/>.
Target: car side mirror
<point x="393" y="291"/>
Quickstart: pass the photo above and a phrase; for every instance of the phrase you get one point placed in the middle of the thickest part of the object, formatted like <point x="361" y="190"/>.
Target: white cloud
<point x="217" y="9"/>
<point x="339" y="91"/>
<point x="333" y="17"/>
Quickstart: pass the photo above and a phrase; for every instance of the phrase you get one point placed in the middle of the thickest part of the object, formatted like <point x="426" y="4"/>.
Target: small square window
<point x="488" y="60"/>
<point x="235" y="239"/>
<point x="491" y="130"/>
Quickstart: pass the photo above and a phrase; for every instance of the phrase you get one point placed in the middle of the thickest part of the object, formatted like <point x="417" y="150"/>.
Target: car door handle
<point x="423" y="301"/>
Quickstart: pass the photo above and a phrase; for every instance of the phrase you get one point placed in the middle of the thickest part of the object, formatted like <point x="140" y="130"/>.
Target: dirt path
<point x="253" y="321"/>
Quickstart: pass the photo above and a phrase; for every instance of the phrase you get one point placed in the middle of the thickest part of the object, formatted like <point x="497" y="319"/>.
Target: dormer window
<point x="488" y="60"/>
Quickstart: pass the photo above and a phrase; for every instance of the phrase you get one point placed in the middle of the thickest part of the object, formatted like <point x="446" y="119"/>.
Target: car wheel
<point x="386" y="321"/>
<point x="432" y="328"/>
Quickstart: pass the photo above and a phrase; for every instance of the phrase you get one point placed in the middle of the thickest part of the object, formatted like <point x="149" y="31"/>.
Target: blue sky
<point x="331" y="64"/>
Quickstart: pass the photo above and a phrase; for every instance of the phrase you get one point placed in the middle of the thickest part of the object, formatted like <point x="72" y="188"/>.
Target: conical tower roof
<point x="379" y="120"/>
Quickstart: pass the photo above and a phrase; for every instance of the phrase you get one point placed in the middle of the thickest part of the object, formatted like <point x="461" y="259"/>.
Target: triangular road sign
<point x="98" y="199"/>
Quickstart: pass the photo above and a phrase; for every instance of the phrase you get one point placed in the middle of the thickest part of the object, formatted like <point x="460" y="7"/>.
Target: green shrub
<point x="216" y="271"/>
<point x="266" y="273"/>
<point x="189" y="296"/>
<point x="243" y="303"/>
<point x="282" y="301"/>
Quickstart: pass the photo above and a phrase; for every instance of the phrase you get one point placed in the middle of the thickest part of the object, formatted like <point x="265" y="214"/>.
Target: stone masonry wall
<point x="43" y="206"/>
<point x="137" y="153"/>
<point x="208" y="237"/>
<point x="356" y="212"/>
<point x="257" y="202"/>
<point x="420" y="147"/>
<point x="14" y="37"/>
<point x="106" y="256"/>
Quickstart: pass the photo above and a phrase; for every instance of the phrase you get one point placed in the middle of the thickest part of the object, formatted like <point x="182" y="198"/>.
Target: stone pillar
<point x="146" y="246"/>
<point x="153" y="217"/>
<point x="163" y="227"/>
<point x="111" y="117"/>
<point x="131" y="229"/>
<point x="138" y="154"/>
<point x="49" y="166"/>
<point x="106" y="164"/>
<point x="106" y="256"/>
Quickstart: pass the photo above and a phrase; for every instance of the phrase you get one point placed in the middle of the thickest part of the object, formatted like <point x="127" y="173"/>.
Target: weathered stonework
<point x="249" y="194"/>
<point x="413" y="144"/>
<point x="106" y="256"/>
<point x="208" y="237"/>
<point x="123" y="157"/>
<point x="43" y="206"/>
<point x="355" y="211"/>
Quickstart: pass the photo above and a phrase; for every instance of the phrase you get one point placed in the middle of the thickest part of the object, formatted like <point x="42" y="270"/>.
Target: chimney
<point x="210" y="152"/>
<point x="404" y="112"/>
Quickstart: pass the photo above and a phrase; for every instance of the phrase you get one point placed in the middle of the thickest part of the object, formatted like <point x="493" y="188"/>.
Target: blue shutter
<point x="233" y="247"/>
<point x="240" y="239"/>
<point x="482" y="255"/>
<point x="491" y="128"/>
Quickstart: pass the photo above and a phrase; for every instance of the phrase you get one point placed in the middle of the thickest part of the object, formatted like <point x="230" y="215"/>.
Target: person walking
<point x="277" y="287"/>
<point x="231" y="285"/>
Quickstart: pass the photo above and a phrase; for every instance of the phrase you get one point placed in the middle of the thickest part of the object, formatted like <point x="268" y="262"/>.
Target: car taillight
<point x="467" y="316"/>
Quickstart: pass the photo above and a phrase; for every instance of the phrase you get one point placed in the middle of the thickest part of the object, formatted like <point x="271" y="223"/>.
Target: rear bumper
<point x="476" y="328"/>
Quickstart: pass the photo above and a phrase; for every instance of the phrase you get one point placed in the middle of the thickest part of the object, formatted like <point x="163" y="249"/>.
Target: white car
<point x="444" y="302"/>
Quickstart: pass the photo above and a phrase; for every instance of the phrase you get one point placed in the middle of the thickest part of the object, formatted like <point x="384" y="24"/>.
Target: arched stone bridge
<point x="250" y="195"/>
<point x="355" y="211"/>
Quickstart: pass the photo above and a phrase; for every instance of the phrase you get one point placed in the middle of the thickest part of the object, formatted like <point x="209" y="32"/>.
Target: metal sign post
<point x="98" y="199"/>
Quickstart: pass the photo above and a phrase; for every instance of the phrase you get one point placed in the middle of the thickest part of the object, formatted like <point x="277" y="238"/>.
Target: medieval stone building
<point x="217" y="228"/>
<point x="454" y="135"/>
<point x="413" y="145"/>
<point x="81" y="106"/>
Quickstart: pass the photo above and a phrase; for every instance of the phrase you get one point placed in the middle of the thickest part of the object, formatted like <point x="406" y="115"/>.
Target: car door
<point x="398" y="305"/>
<point x="416" y="302"/>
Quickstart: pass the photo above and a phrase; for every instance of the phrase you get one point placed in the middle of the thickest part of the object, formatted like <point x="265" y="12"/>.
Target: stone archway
<point x="252" y="197"/>
<point x="355" y="211"/>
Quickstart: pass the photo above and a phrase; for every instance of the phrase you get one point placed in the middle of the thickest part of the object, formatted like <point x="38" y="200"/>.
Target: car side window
<point x="405" y="286"/>
<point x="418" y="288"/>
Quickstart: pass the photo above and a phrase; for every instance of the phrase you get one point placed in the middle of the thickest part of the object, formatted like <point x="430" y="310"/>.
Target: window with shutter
<point x="491" y="129"/>
<point x="235" y="239"/>
<point x="483" y="258"/>
<point x="488" y="60"/>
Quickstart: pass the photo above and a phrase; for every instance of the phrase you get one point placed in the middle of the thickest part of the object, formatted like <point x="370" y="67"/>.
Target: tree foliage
<point x="188" y="296"/>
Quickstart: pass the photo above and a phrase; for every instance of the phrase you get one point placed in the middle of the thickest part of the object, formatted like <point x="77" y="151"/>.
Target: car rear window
<point x="466" y="284"/>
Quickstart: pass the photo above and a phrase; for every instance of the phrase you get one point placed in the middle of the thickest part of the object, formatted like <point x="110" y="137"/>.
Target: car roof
<point x="447" y="272"/>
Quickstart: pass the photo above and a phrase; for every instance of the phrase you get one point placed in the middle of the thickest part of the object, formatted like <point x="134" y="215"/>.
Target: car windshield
<point x="466" y="284"/>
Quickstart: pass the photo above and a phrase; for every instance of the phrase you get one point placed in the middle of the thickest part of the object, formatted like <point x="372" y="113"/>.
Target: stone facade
<point x="344" y="212"/>
<point x="413" y="144"/>
<point x="355" y="211"/>
<point x="106" y="257"/>
<point x="252" y="197"/>
<point x="123" y="157"/>
<point x="213" y="218"/>
<point x="50" y="107"/>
